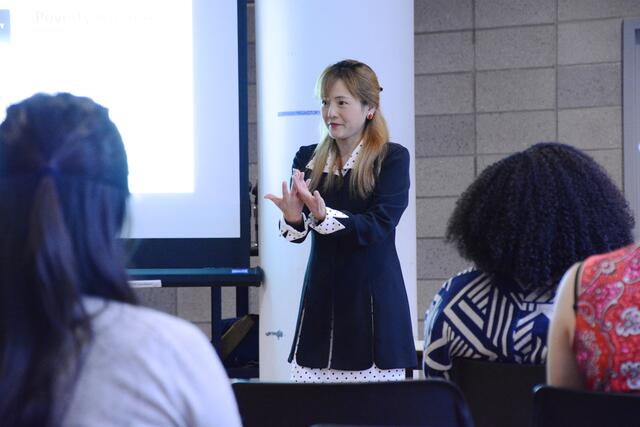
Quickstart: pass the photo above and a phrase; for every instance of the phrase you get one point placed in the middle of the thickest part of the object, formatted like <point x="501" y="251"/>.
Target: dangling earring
<point x="370" y="116"/>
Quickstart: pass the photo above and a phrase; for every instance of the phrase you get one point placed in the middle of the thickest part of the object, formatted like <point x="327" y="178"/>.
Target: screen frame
<point x="163" y="253"/>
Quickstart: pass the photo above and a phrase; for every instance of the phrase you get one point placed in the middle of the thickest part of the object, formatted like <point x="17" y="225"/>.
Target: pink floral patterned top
<point x="607" y="334"/>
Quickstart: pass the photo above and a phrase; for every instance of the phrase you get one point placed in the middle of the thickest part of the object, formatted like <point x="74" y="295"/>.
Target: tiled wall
<point x="492" y="77"/>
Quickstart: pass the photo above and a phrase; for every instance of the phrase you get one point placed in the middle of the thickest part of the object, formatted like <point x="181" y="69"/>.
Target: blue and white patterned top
<point x="474" y="316"/>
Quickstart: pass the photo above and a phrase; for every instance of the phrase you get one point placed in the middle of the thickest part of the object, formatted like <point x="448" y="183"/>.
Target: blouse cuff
<point x="290" y="233"/>
<point x="330" y="224"/>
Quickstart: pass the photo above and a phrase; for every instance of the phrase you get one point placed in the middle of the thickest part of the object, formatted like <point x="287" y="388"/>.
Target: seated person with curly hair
<point x="522" y="222"/>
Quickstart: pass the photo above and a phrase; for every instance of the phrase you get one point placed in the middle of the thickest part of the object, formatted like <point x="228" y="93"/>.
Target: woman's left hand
<point x="314" y="201"/>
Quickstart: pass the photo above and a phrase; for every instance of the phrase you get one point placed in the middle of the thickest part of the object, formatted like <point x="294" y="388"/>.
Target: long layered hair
<point x="63" y="187"/>
<point x="362" y="83"/>
<point x="527" y="218"/>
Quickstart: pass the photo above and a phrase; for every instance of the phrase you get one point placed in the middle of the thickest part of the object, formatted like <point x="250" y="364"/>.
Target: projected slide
<point x="139" y="58"/>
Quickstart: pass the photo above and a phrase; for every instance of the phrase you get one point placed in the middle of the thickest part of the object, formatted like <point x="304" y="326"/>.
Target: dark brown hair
<point x="63" y="186"/>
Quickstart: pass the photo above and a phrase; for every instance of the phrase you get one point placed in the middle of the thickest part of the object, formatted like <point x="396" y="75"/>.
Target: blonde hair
<point x="362" y="83"/>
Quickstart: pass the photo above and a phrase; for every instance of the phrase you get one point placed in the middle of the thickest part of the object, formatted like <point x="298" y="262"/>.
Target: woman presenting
<point x="349" y="193"/>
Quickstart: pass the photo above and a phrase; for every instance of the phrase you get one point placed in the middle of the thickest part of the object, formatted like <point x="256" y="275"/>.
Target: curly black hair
<point x="530" y="216"/>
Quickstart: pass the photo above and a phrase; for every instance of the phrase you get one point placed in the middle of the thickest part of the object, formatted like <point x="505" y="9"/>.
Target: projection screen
<point x="173" y="75"/>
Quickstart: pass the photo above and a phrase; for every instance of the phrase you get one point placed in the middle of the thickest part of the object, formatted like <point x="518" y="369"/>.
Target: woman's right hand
<point x="290" y="204"/>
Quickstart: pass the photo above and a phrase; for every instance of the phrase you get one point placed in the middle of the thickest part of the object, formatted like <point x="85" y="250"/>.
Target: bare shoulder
<point x="566" y="292"/>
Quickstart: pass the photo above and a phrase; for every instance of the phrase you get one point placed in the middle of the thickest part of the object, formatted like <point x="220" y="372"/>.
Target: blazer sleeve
<point x="389" y="200"/>
<point x="292" y="233"/>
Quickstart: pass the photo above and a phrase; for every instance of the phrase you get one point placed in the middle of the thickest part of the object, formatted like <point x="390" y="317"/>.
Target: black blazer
<point x="354" y="277"/>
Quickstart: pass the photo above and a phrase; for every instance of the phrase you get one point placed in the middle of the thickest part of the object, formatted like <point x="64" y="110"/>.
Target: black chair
<point x="434" y="403"/>
<point x="560" y="407"/>
<point x="498" y="394"/>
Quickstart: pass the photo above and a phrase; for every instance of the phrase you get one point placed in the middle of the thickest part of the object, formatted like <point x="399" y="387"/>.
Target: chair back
<point x="498" y="394"/>
<point x="402" y="403"/>
<point x="558" y="407"/>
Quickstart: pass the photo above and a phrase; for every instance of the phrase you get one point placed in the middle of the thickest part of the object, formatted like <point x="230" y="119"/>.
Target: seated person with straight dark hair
<point x="75" y="350"/>
<point x="522" y="223"/>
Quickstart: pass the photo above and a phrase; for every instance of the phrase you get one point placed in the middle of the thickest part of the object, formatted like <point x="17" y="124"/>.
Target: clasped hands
<point x="292" y="202"/>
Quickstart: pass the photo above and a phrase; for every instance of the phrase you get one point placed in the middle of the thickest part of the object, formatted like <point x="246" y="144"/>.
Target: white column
<point x="295" y="41"/>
